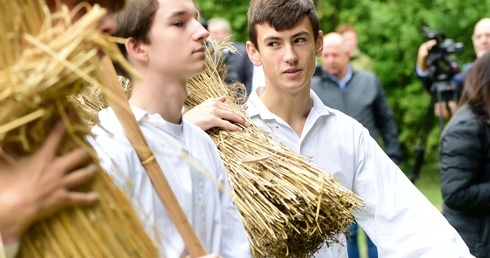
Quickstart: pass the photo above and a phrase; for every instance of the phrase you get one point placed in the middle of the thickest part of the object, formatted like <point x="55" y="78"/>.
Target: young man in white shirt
<point x="165" y="44"/>
<point x="398" y="218"/>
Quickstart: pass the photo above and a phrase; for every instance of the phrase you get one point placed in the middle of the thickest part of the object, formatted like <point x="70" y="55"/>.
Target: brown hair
<point x="476" y="91"/>
<point x="135" y="21"/>
<point x="111" y="5"/>
<point x="280" y="14"/>
<point x="345" y="27"/>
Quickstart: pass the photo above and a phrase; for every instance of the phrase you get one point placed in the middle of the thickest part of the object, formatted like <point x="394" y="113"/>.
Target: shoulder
<point x="197" y="135"/>
<point x="365" y="75"/>
<point x="205" y="147"/>
<point x="465" y="125"/>
<point x="367" y="78"/>
<point x="110" y="142"/>
<point x="343" y="122"/>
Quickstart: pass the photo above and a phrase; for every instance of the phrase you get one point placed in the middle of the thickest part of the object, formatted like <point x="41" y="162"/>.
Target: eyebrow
<point x="178" y="13"/>
<point x="182" y="13"/>
<point x="301" y="33"/>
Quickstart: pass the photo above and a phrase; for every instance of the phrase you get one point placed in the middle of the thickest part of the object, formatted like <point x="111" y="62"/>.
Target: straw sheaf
<point x="289" y="206"/>
<point x="44" y="61"/>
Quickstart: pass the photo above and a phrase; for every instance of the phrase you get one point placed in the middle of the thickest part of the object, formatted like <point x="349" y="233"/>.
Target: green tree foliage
<point x="388" y="31"/>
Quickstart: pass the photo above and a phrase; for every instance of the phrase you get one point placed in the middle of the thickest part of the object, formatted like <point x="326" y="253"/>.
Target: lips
<point x="200" y="50"/>
<point x="292" y="70"/>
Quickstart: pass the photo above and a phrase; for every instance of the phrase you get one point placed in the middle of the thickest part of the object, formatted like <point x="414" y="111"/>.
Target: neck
<point x="158" y="95"/>
<point x="342" y="74"/>
<point x="293" y="108"/>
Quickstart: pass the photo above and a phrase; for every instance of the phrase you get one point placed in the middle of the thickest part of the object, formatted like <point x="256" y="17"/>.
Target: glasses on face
<point x="480" y="36"/>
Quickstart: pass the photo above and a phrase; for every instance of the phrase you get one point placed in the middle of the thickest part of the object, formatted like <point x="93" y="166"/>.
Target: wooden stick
<point x="131" y="127"/>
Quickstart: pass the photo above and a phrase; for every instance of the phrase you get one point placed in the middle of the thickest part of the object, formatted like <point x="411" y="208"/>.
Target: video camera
<point x="442" y="64"/>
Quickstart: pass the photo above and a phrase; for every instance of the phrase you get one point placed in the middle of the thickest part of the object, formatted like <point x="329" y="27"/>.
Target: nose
<point x="107" y="24"/>
<point x="290" y="56"/>
<point x="201" y="32"/>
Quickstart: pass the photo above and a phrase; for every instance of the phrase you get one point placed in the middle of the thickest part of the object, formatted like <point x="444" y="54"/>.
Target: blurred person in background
<point x="464" y="155"/>
<point x="358" y="59"/>
<point x="239" y="67"/>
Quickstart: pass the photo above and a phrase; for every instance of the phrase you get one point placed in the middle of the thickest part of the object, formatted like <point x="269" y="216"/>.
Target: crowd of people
<point x="338" y="117"/>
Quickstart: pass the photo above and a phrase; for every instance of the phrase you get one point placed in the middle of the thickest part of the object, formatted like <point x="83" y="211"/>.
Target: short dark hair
<point x="280" y="14"/>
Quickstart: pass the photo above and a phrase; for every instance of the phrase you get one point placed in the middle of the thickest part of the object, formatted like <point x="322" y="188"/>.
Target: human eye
<point x="299" y="40"/>
<point x="273" y="44"/>
<point x="178" y="23"/>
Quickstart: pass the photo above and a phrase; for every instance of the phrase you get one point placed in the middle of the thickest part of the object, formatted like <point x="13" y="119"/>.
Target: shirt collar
<point x="108" y="116"/>
<point x="344" y="82"/>
<point x="254" y="106"/>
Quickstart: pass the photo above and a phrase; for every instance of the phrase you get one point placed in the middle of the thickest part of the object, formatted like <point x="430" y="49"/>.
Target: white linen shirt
<point x="398" y="218"/>
<point x="209" y="210"/>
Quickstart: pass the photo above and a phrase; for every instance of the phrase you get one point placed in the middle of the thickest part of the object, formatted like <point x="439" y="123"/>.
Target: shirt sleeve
<point x="424" y="78"/>
<point x="398" y="217"/>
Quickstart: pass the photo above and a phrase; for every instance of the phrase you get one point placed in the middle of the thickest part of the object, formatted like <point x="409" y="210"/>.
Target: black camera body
<point x="441" y="61"/>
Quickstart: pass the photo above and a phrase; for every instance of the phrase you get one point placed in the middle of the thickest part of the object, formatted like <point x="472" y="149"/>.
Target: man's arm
<point x="421" y="69"/>
<point x="398" y="217"/>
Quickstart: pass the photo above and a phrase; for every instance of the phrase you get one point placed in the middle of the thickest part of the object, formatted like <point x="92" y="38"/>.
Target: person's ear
<point x="253" y="53"/>
<point x="319" y="44"/>
<point x="136" y="50"/>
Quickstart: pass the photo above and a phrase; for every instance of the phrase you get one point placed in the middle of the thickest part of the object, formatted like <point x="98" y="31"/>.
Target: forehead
<point x="483" y="26"/>
<point x="265" y="30"/>
<point x="349" y="35"/>
<point x="333" y="48"/>
<point x="175" y="8"/>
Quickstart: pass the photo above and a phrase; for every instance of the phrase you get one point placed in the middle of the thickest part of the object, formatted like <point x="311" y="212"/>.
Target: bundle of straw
<point x="289" y="206"/>
<point x="44" y="59"/>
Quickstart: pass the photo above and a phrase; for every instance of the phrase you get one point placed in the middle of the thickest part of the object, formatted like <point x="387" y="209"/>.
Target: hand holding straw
<point x="47" y="59"/>
<point x="118" y="102"/>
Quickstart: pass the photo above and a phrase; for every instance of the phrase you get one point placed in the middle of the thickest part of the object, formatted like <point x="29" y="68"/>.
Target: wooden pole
<point x="132" y="130"/>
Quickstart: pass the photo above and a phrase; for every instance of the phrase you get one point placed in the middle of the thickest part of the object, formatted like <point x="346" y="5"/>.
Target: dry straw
<point x="289" y="206"/>
<point x="44" y="60"/>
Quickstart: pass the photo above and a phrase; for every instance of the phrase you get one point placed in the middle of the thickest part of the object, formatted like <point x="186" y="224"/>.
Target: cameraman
<point x="481" y="44"/>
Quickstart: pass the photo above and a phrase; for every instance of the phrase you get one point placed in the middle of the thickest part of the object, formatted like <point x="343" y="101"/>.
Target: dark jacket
<point x="239" y="67"/>
<point x="364" y="100"/>
<point x="465" y="178"/>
